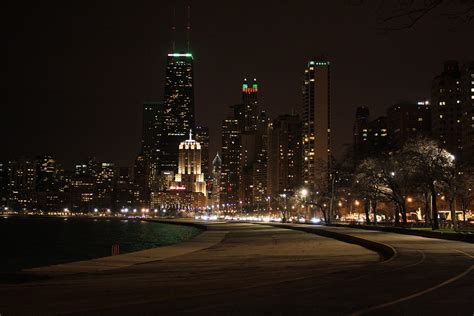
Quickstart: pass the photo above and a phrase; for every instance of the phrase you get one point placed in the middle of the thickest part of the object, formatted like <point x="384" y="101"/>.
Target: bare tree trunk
<point x="366" y="210"/>
<point x="374" y="208"/>
<point x="404" y="212"/>
<point x="434" y="208"/>
<point x="427" y="209"/>
<point x="452" y="210"/>
<point x="397" y="215"/>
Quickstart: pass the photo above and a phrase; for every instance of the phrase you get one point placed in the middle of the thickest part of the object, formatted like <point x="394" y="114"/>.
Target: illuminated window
<point x="441" y="116"/>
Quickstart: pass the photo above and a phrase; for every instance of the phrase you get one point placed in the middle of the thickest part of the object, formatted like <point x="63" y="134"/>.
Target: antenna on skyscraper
<point x="173" y="30"/>
<point x="188" y="27"/>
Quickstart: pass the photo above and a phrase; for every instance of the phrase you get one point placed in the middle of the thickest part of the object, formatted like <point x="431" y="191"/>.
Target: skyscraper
<point x="284" y="155"/>
<point x="151" y="129"/>
<point x="189" y="167"/>
<point x="178" y="109"/>
<point x="316" y="118"/>
<point x="216" y="179"/>
<point x="250" y="105"/>
<point x="467" y="80"/>
<point x="408" y="119"/>
<point x="230" y="179"/>
<point x="202" y="137"/>
<point x="361" y="132"/>
<point x="447" y="113"/>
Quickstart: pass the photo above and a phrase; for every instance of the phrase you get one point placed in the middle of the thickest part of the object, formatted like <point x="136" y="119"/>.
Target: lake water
<point x="27" y="242"/>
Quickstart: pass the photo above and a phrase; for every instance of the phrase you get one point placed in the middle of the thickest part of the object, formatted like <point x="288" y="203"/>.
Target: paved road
<point x="258" y="269"/>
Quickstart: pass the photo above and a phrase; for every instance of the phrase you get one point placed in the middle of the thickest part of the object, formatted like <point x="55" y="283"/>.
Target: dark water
<point x="27" y="242"/>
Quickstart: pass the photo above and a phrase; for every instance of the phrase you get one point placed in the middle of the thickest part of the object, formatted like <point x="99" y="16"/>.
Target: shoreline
<point x="18" y="269"/>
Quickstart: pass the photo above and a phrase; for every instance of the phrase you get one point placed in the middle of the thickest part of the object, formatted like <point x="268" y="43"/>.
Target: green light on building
<point x="245" y="86"/>
<point x="254" y="86"/>
<point x="181" y="55"/>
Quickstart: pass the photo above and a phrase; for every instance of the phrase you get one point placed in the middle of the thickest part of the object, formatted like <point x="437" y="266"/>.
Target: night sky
<point x="78" y="72"/>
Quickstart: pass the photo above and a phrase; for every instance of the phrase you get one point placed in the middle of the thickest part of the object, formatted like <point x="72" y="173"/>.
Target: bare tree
<point x="395" y="15"/>
<point x="429" y="162"/>
<point x="368" y="185"/>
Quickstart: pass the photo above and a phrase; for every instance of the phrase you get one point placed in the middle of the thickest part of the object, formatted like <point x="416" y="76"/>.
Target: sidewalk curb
<point x="386" y="251"/>
<point x="399" y="230"/>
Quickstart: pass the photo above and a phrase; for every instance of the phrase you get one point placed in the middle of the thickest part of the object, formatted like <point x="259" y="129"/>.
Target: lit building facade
<point x="230" y="172"/>
<point x="216" y="179"/>
<point x="407" y="120"/>
<point x="284" y="155"/>
<point x="151" y="139"/>
<point x="250" y="105"/>
<point x="447" y="108"/>
<point x="189" y="167"/>
<point x="316" y="117"/>
<point x="178" y="108"/>
<point x="467" y="80"/>
<point x="202" y="137"/>
<point x="361" y="133"/>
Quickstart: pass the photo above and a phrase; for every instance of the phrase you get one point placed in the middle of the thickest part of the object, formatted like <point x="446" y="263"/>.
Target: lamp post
<point x="304" y="194"/>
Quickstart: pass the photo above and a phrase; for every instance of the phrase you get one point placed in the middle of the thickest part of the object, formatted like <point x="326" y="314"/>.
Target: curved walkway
<point x="266" y="269"/>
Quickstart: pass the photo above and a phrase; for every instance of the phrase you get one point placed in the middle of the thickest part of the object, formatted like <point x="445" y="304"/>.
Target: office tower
<point x="82" y="186"/>
<point x="189" y="167"/>
<point x="316" y="116"/>
<point x="360" y="133"/>
<point x="140" y="187"/>
<point x="151" y="138"/>
<point x="105" y="185"/>
<point x="47" y="174"/>
<point x="3" y="184"/>
<point x="259" y="181"/>
<point x="284" y="155"/>
<point x="216" y="180"/>
<point x="229" y="192"/>
<point x="202" y="137"/>
<point x="379" y="136"/>
<point x="22" y="176"/>
<point x="152" y="123"/>
<point x="447" y="114"/>
<point x="467" y="80"/>
<point x="407" y="120"/>
<point x="122" y="196"/>
<point x="250" y="105"/>
<point x="178" y="108"/>
<point x="49" y="193"/>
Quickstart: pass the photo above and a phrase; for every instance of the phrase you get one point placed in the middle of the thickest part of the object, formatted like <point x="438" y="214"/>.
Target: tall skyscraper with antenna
<point x="178" y="109"/>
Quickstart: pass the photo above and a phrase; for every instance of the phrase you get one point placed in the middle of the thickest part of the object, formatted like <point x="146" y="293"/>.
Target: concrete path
<point x="253" y="262"/>
<point x="204" y="240"/>
<point x="259" y="269"/>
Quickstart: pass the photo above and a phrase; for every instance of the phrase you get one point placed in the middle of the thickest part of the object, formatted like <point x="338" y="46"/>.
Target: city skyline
<point x="96" y="113"/>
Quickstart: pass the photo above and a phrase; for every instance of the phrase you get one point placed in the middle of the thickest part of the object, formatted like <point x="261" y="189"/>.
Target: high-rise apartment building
<point x="361" y="133"/>
<point x="216" y="180"/>
<point x="178" y="108"/>
<point x="316" y="117"/>
<point x="467" y="80"/>
<point x="22" y="176"/>
<point x="284" y="155"/>
<point x="230" y="172"/>
<point x="202" y="137"/>
<point x="408" y="119"/>
<point x="260" y="166"/>
<point x="447" y="96"/>
<point x="151" y="130"/>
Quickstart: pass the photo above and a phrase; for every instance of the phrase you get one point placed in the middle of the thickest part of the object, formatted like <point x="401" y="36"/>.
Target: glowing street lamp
<point x="409" y="199"/>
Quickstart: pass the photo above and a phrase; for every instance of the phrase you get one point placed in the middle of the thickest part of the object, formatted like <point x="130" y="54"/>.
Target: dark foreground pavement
<point x="259" y="269"/>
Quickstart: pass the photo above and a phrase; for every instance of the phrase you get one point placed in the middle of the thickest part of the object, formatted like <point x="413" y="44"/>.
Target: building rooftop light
<point x="180" y="55"/>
